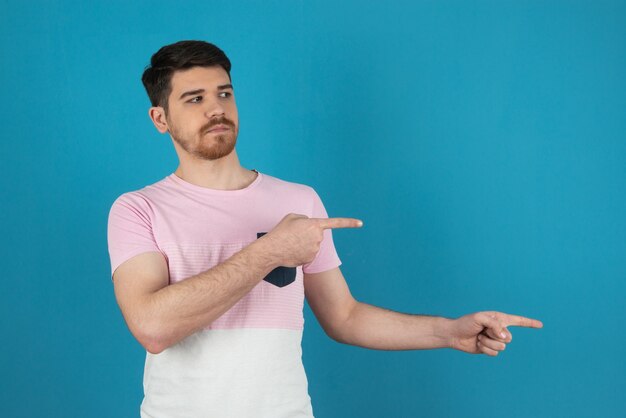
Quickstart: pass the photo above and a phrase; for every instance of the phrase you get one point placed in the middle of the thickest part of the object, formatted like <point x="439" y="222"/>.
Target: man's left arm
<point x="351" y="322"/>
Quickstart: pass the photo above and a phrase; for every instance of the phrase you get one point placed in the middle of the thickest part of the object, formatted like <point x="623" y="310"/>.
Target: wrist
<point x="443" y="331"/>
<point x="263" y="251"/>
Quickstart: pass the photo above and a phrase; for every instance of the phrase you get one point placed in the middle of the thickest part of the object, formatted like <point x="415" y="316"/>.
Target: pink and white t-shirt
<point x="248" y="362"/>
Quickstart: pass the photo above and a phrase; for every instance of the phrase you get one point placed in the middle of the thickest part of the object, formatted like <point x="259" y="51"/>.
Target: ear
<point x="157" y="115"/>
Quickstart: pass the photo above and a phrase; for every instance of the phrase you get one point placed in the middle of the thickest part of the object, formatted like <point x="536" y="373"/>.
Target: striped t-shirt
<point x="248" y="362"/>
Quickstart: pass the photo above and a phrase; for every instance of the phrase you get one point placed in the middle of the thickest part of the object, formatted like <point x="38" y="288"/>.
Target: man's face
<point x="202" y="114"/>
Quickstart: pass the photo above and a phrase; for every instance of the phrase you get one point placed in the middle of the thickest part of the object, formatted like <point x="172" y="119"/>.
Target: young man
<point x="212" y="263"/>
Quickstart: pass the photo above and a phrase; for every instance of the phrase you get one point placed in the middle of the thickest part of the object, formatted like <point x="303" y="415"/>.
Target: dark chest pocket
<point x="281" y="276"/>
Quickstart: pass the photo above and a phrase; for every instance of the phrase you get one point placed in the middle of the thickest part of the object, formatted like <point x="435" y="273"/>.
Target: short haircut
<point x="181" y="55"/>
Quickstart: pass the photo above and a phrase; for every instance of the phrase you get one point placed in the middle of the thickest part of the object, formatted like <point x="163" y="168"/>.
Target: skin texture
<point x="160" y="315"/>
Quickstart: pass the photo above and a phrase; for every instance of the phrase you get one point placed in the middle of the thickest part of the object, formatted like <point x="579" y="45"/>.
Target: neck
<point x="222" y="174"/>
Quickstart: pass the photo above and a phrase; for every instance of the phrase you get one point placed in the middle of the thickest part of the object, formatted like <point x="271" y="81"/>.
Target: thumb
<point x="493" y="324"/>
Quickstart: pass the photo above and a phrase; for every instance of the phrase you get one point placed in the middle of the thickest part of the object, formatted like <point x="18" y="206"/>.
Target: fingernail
<point x="503" y="335"/>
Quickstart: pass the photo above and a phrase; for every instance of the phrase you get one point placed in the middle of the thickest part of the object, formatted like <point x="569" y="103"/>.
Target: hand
<point x="486" y="332"/>
<point x="296" y="239"/>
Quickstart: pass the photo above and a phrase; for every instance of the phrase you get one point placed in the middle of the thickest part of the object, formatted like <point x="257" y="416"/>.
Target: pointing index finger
<point x="521" y="321"/>
<point x="332" y="223"/>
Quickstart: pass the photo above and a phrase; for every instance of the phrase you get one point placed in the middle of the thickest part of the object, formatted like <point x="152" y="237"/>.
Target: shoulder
<point x="297" y="197"/>
<point x="284" y="186"/>
<point x="141" y="199"/>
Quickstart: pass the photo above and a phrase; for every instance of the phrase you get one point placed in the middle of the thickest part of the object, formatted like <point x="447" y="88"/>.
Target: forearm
<point x="382" y="329"/>
<point x="181" y="309"/>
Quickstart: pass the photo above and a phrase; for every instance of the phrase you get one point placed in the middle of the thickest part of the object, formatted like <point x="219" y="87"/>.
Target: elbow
<point x="336" y="337"/>
<point x="334" y="332"/>
<point x="340" y="329"/>
<point x="151" y="338"/>
<point x="340" y="335"/>
<point x="153" y="347"/>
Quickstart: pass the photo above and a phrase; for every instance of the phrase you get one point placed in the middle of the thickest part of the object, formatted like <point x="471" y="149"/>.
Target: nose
<point x="214" y="109"/>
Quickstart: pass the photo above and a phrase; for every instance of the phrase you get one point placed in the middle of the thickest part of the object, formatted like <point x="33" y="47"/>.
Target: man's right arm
<point x="160" y="315"/>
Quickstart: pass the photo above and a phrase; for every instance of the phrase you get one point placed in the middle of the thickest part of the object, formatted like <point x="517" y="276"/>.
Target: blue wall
<point x="483" y="144"/>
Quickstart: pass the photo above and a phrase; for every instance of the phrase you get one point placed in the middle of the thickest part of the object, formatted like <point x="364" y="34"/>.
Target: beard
<point x="208" y="146"/>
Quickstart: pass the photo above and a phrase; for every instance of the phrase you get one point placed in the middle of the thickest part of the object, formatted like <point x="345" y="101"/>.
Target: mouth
<point x="219" y="128"/>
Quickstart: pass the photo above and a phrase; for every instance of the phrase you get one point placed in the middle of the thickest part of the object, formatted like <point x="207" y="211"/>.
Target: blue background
<point x="483" y="144"/>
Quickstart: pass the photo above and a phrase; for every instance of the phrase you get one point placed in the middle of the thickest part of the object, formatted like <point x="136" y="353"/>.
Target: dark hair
<point x="181" y="55"/>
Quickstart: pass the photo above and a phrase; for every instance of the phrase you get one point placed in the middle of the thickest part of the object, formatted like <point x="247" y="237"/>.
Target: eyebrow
<point x="198" y="91"/>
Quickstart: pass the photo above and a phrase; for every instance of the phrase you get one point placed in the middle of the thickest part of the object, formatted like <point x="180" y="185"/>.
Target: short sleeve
<point x="327" y="257"/>
<point x="129" y="230"/>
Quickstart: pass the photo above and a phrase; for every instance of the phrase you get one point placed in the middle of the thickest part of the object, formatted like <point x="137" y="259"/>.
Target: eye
<point x="225" y="94"/>
<point x="196" y="99"/>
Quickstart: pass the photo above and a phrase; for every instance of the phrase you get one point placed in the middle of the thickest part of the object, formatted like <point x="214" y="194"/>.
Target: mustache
<point x="214" y="122"/>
